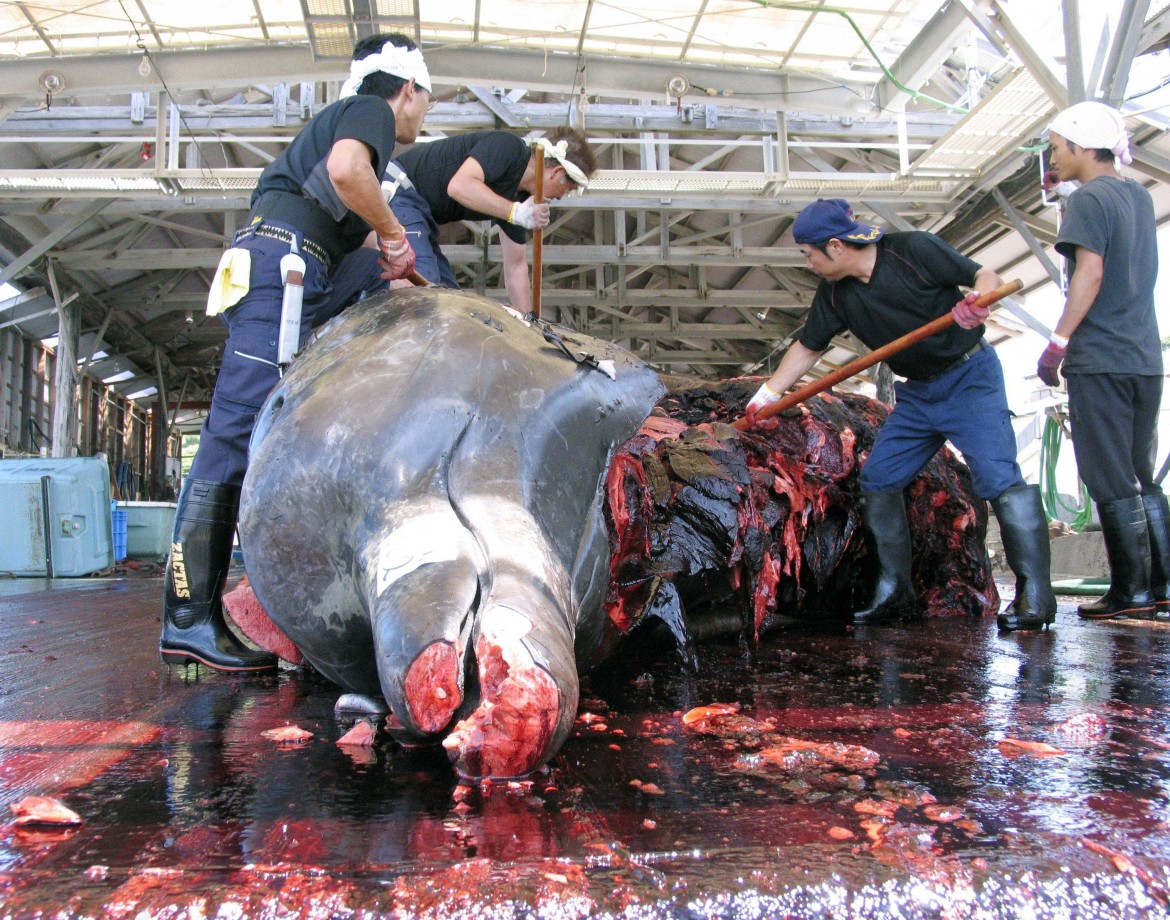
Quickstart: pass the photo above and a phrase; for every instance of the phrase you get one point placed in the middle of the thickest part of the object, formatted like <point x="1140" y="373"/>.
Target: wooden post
<point x="537" y="235"/>
<point x="64" y="424"/>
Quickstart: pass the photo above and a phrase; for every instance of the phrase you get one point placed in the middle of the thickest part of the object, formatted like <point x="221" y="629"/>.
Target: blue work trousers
<point x="414" y="214"/>
<point x="358" y="275"/>
<point x="966" y="405"/>
<point x="249" y="370"/>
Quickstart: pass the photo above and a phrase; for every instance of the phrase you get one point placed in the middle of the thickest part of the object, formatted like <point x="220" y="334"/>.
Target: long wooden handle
<point x="537" y="235"/>
<point x="857" y="365"/>
<point x="417" y="280"/>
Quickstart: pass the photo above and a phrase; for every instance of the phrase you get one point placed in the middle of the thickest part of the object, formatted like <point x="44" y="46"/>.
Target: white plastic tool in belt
<point x="292" y="275"/>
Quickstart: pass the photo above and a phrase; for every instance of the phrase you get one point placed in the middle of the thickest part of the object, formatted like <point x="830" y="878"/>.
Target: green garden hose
<point x="1082" y="586"/>
<point x="1049" y="455"/>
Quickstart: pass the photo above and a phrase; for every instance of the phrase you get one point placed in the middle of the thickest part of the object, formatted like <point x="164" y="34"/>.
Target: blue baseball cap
<point x="832" y="218"/>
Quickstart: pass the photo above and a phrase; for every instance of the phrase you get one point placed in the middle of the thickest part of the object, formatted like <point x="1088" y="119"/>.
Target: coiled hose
<point x="1055" y="432"/>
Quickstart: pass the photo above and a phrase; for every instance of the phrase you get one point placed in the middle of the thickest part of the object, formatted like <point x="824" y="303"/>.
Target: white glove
<point x="765" y="396"/>
<point x="529" y="214"/>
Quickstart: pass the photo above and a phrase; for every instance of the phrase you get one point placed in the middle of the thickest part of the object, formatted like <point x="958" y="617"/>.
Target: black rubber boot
<point x="201" y="551"/>
<point x="1127" y="544"/>
<point x="1024" y="529"/>
<point x="1158" y="525"/>
<point x="883" y="514"/>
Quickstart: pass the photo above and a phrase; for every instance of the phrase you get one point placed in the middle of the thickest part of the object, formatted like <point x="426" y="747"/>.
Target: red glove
<point x="968" y="313"/>
<point x="397" y="258"/>
<point x="1049" y="364"/>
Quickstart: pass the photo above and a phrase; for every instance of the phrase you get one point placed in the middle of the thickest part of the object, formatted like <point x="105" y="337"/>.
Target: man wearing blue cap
<point x="881" y="286"/>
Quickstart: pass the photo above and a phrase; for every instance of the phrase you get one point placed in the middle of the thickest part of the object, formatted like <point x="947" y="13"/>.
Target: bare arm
<point x="359" y="188"/>
<point x="987" y="280"/>
<point x="516" y="281"/>
<point x="1083" y="288"/>
<point x="469" y="187"/>
<point x="797" y="362"/>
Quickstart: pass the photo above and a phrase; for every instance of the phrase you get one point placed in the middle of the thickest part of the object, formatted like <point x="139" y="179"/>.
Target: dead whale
<point x="459" y="511"/>
<point x="422" y="514"/>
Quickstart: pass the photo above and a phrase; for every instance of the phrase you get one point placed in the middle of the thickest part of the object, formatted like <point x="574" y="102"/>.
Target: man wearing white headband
<point x="485" y="175"/>
<point x="316" y="202"/>
<point x="1108" y="342"/>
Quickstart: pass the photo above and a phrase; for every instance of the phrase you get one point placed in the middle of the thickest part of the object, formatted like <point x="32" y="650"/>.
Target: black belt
<point x="308" y="217"/>
<point x="316" y="250"/>
<point x="966" y="356"/>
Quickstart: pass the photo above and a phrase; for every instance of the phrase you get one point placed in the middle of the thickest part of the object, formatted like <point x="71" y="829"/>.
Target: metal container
<point x="56" y="517"/>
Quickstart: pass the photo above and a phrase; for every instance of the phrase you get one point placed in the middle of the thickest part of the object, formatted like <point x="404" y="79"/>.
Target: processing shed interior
<point x="810" y="768"/>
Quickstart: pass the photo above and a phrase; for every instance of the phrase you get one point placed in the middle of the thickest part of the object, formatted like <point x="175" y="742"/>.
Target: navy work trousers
<point x="249" y="370"/>
<point x="966" y="405"/>
<point x="358" y="274"/>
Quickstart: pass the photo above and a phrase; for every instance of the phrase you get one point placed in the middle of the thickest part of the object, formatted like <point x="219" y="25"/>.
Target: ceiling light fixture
<point x="144" y="68"/>
<point x="51" y="82"/>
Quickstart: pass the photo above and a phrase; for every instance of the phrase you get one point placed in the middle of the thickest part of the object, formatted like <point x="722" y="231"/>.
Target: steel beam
<point x="449" y="65"/>
<point x="1035" y="64"/>
<point x="83" y="122"/>
<point x="49" y="240"/>
<point x="1123" y="50"/>
<point x="922" y="57"/>
<point x="1030" y="238"/>
<point x="1074" y="59"/>
<point x="463" y="254"/>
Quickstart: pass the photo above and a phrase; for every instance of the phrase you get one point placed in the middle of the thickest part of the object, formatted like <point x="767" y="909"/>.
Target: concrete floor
<point x="869" y="772"/>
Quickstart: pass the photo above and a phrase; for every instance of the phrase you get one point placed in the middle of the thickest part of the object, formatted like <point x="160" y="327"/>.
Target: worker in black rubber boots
<point x="881" y="286"/>
<point x="1107" y="339"/>
<point x="485" y="175"/>
<point x="318" y="200"/>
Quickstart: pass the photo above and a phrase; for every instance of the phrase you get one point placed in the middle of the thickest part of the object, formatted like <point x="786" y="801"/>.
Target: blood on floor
<point x="935" y="770"/>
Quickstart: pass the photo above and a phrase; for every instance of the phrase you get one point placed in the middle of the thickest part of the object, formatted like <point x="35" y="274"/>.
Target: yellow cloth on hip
<point x="230" y="284"/>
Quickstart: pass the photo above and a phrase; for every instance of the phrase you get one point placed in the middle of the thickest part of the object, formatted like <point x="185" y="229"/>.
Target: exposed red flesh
<point x="432" y="687"/>
<point x="510" y="732"/>
<point x="40" y="809"/>
<point x="774" y="509"/>
<point x="246" y="612"/>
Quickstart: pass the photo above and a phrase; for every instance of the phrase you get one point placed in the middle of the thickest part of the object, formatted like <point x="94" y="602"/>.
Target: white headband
<point x="396" y="61"/>
<point x="560" y="152"/>
<point x="1094" y="126"/>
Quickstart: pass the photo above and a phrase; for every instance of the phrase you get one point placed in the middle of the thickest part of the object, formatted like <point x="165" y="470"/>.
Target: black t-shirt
<point x="301" y="170"/>
<point x="503" y="157"/>
<point x="1119" y="335"/>
<point x="915" y="279"/>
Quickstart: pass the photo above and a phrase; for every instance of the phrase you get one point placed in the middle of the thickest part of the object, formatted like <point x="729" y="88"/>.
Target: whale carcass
<point x="458" y="510"/>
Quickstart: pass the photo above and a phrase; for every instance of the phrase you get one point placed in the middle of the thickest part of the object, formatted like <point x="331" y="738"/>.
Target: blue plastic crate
<point x="118" y="524"/>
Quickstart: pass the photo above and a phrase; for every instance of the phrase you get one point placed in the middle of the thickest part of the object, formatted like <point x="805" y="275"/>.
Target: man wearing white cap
<point x="485" y="175"/>
<point x="319" y="200"/>
<point x="1108" y="343"/>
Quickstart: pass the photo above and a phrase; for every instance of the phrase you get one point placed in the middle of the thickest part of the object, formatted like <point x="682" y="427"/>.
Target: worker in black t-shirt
<point x="1108" y="341"/>
<point x="485" y="175"/>
<point x="318" y="200"/>
<point x="881" y="286"/>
